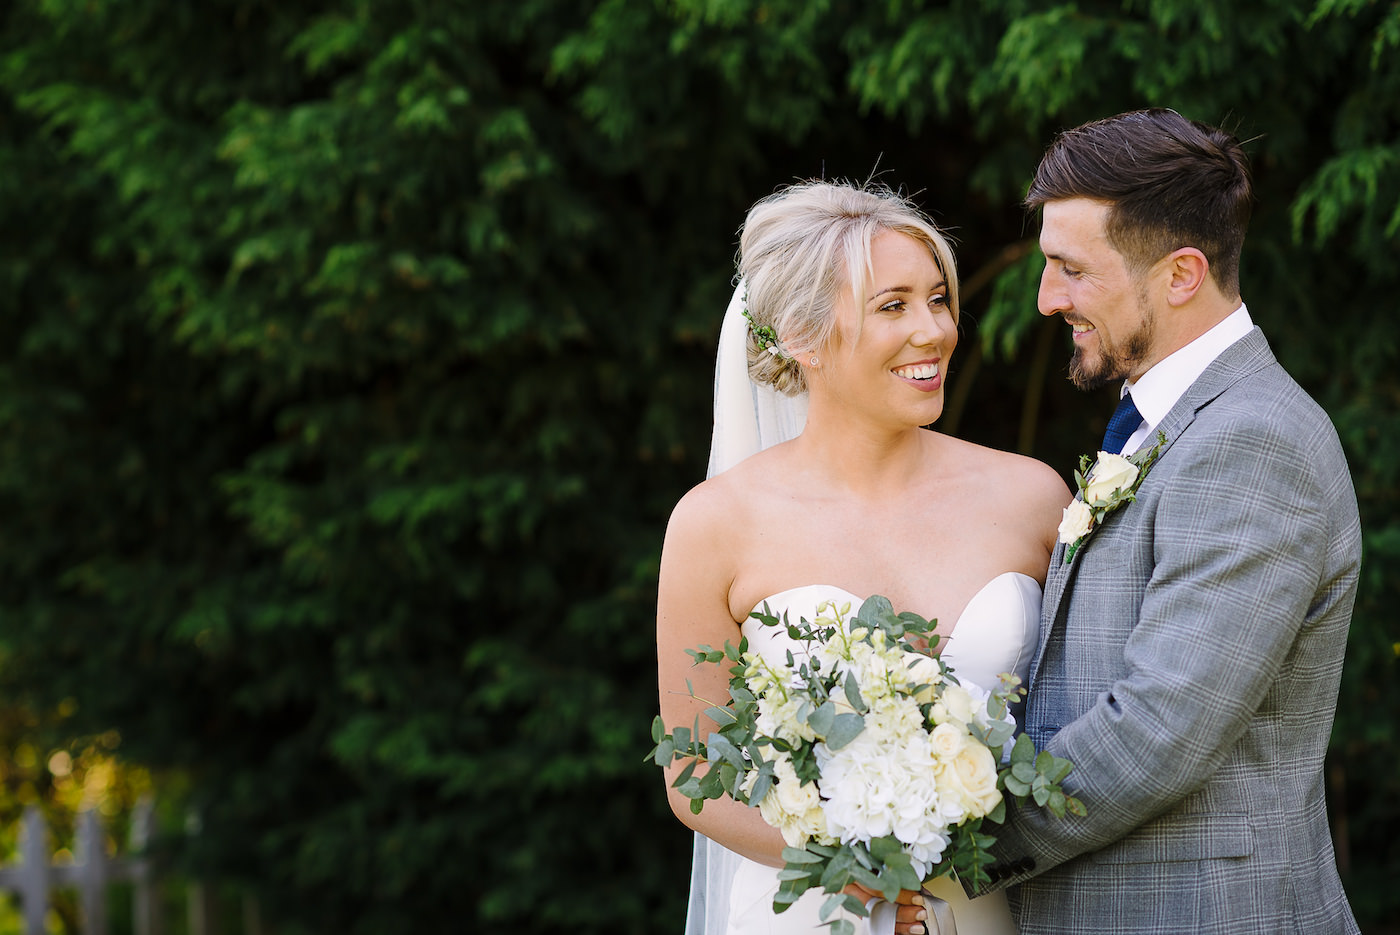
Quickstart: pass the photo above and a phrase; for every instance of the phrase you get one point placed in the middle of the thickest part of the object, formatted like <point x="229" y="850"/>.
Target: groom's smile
<point x="1086" y="282"/>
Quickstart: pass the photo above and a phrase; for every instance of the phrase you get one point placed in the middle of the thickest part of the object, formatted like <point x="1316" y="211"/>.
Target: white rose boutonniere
<point x="1109" y="483"/>
<point x="1109" y="475"/>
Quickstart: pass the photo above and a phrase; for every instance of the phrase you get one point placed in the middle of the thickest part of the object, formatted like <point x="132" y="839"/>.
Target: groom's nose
<point x="1052" y="298"/>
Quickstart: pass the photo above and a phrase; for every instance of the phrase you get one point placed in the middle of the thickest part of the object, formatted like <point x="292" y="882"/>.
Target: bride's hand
<point x="910" y="914"/>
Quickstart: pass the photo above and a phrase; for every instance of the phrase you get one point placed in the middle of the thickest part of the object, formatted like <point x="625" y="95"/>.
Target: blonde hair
<point x="795" y="248"/>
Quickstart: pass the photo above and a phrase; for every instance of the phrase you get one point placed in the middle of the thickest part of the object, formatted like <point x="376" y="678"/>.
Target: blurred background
<point x="353" y="353"/>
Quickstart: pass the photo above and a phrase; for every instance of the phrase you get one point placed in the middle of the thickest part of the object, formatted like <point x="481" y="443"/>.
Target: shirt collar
<point x="1157" y="390"/>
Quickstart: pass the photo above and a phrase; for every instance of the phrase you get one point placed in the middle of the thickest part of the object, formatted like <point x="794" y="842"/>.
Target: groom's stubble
<point x="1111" y="363"/>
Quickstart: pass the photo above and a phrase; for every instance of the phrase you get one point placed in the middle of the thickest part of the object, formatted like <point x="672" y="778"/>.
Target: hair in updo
<point x="802" y="246"/>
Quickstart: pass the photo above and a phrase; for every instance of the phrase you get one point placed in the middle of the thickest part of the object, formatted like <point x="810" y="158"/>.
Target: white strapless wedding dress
<point x="996" y="633"/>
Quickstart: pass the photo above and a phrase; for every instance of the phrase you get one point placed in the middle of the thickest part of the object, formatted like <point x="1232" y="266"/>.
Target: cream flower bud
<point x="1078" y="519"/>
<point x="924" y="669"/>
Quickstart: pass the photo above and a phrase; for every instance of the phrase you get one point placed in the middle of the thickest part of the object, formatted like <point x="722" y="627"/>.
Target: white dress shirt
<point x="1157" y="390"/>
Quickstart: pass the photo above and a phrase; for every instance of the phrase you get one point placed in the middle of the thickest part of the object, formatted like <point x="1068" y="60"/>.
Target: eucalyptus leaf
<point x="875" y="608"/>
<point x="998" y="733"/>
<point x="711" y="786"/>
<point x="822" y="718"/>
<point x="844" y="729"/>
<point x="852" y="691"/>
<point x="835" y="903"/>
<point x="886" y="848"/>
<point x="761" y="785"/>
<point x="721" y="716"/>
<point x="797" y="855"/>
<point x="1023" y="771"/>
<point x="719" y="748"/>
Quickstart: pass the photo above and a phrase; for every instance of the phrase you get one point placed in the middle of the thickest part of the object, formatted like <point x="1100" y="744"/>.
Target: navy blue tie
<point x="1126" y="420"/>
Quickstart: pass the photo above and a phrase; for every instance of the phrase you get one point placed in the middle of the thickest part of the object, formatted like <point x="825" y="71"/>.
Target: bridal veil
<point x="748" y="418"/>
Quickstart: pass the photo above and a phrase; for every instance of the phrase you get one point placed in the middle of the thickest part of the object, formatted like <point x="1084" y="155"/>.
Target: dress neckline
<point x="857" y="600"/>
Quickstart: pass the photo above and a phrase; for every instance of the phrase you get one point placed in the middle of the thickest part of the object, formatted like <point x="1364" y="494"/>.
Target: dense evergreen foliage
<point x="352" y="354"/>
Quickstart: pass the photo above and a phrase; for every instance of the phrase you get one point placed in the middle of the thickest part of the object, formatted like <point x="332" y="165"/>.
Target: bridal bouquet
<point x="863" y="749"/>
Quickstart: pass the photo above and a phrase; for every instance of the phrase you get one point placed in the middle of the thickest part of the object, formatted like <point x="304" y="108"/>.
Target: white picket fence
<point x="92" y="872"/>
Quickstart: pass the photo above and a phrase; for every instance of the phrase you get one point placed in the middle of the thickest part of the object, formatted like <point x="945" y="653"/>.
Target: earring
<point x="814" y="361"/>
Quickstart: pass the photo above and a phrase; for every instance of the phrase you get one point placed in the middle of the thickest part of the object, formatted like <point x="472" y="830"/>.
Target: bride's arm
<point x="698" y="564"/>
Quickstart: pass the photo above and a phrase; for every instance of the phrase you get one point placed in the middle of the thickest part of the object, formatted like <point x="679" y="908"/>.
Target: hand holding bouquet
<point x="863" y="749"/>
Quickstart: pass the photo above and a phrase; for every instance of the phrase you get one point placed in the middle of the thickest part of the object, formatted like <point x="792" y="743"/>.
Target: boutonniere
<point x="1111" y="482"/>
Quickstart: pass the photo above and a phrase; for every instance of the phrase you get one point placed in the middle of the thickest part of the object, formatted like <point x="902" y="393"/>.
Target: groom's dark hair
<point x="1171" y="183"/>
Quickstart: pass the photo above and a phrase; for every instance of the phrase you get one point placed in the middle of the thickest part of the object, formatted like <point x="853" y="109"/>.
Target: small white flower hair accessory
<point x="767" y="338"/>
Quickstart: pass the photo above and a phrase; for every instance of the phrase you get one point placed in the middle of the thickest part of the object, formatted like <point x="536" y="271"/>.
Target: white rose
<point x="1110" y="474"/>
<point x="795" y="796"/>
<point x="947" y="741"/>
<point x="976" y="771"/>
<point x="954" y="704"/>
<point x="791" y="806"/>
<point x="1077" y="522"/>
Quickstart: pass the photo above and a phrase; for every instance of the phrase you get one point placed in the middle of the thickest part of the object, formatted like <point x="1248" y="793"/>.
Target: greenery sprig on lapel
<point x="1108" y="484"/>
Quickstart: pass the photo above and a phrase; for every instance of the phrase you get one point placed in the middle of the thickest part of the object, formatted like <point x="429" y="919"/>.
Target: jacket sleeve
<point x="1244" y="540"/>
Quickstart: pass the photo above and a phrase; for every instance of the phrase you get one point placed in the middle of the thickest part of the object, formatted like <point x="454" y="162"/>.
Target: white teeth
<point x="920" y="372"/>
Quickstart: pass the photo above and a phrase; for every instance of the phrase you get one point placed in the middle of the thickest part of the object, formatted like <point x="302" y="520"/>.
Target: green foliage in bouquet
<point x="871" y="677"/>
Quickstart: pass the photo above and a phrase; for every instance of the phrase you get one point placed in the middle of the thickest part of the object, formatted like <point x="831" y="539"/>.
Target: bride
<point x="842" y="329"/>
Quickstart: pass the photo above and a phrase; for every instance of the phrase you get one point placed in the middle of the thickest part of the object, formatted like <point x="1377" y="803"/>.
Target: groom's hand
<point x="910" y="915"/>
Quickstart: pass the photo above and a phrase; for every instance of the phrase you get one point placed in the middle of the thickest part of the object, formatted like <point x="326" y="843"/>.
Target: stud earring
<point x="814" y="361"/>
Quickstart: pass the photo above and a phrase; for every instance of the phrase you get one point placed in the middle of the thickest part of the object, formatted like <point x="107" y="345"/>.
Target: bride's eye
<point x="895" y="305"/>
<point x="939" y="301"/>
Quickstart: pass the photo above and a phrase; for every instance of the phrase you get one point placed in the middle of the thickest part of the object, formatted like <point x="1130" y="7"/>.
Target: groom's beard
<point x="1113" y="364"/>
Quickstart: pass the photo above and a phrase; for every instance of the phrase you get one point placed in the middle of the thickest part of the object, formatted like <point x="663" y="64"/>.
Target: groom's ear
<point x="1187" y="270"/>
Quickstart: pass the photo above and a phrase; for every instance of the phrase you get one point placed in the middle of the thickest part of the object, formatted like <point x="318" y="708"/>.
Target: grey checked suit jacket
<point x="1188" y="665"/>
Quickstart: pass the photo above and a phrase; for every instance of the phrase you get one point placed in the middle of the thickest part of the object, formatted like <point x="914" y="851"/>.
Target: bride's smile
<point x="899" y="341"/>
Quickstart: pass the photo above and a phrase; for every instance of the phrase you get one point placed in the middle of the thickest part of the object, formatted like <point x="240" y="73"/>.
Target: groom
<point x="1190" y="651"/>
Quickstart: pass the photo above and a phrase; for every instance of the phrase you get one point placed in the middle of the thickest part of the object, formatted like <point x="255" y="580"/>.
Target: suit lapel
<point x="1247" y="355"/>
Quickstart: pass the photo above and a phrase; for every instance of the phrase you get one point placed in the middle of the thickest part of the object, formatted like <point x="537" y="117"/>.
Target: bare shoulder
<point x="1010" y="477"/>
<point x="706" y="525"/>
<point x="697" y="520"/>
<point x="1011" y="492"/>
<point x="703" y="553"/>
<point x="709" y="507"/>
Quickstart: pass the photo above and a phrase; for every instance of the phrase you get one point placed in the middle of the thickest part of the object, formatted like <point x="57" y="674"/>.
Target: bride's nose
<point x="935" y="328"/>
